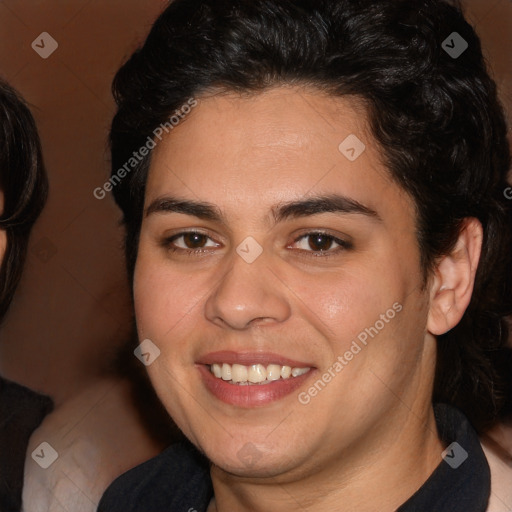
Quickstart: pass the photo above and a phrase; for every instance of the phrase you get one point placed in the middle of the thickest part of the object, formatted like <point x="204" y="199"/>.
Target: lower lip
<point x="249" y="396"/>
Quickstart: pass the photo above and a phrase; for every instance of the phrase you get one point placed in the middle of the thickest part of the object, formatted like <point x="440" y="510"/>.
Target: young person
<point x="23" y="186"/>
<point x="320" y="248"/>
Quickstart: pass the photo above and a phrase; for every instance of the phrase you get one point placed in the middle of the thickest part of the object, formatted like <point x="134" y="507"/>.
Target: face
<point x="265" y="246"/>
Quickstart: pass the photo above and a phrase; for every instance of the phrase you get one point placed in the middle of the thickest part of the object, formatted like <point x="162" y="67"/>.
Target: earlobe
<point x="454" y="279"/>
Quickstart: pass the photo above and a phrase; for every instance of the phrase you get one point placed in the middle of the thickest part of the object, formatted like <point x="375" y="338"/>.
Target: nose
<point x="248" y="295"/>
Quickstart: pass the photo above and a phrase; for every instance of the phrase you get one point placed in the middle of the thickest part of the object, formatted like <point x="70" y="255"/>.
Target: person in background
<point x="23" y="192"/>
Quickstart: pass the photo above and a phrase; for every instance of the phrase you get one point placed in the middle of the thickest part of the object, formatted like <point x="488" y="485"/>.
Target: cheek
<point x="342" y="304"/>
<point x="161" y="298"/>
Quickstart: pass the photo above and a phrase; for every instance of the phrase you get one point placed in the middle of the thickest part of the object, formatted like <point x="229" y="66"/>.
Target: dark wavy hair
<point x="24" y="185"/>
<point x="436" y="118"/>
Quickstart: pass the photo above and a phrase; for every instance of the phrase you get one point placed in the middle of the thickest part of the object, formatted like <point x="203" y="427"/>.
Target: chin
<point x="245" y="458"/>
<point x="260" y="467"/>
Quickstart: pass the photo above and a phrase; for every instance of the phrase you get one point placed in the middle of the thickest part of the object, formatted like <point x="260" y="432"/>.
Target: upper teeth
<point x="255" y="373"/>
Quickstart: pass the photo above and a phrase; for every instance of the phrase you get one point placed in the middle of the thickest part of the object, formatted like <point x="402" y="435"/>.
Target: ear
<point x="454" y="278"/>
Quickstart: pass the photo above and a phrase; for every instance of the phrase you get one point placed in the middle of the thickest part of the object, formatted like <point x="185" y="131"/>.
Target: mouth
<point x="252" y="379"/>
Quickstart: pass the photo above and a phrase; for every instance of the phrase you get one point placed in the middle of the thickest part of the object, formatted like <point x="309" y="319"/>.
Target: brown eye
<point x="189" y="241"/>
<point x="319" y="242"/>
<point x="194" y="240"/>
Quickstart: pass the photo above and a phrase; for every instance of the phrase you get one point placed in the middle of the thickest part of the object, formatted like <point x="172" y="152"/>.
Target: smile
<point x="255" y="374"/>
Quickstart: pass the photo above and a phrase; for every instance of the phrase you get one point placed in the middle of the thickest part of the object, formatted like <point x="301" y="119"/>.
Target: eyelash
<point x="343" y="245"/>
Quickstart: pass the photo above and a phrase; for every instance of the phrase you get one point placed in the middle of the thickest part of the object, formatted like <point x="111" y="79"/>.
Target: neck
<point x="382" y="472"/>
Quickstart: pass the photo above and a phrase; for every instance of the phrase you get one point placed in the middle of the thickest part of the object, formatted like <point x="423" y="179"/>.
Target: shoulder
<point x="21" y="412"/>
<point x="97" y="435"/>
<point x="177" y="479"/>
<point x="499" y="457"/>
<point x="20" y="399"/>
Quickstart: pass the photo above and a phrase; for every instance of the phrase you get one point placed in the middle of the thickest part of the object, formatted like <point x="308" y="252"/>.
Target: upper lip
<point x="250" y="358"/>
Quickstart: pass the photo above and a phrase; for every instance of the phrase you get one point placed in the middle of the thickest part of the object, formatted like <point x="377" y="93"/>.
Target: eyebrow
<point x="332" y="203"/>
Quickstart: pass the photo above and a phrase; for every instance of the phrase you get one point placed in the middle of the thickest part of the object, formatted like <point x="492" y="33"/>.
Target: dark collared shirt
<point x="178" y="480"/>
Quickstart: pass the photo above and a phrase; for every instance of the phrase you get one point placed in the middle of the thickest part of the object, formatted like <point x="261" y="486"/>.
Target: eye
<point x="321" y="244"/>
<point x="190" y="241"/>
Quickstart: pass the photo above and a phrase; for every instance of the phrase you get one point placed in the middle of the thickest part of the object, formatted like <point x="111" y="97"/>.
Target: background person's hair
<point x="24" y="185"/>
<point x="437" y="120"/>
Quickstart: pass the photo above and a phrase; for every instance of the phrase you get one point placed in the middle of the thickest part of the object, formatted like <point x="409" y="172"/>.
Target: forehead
<point x="282" y="144"/>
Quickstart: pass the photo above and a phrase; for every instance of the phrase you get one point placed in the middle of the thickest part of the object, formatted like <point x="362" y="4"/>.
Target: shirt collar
<point x="462" y="481"/>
